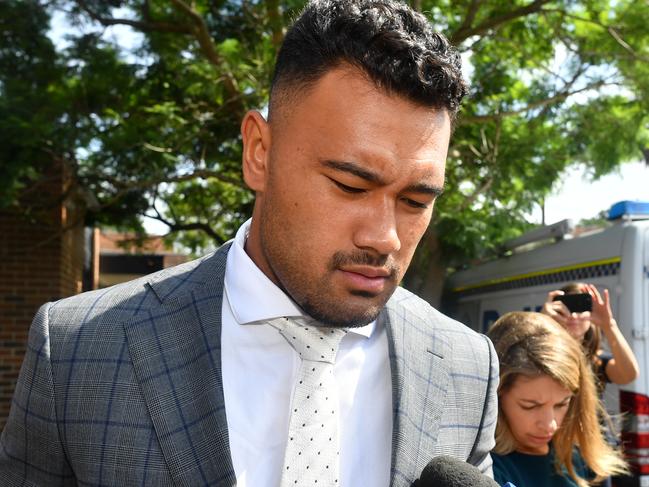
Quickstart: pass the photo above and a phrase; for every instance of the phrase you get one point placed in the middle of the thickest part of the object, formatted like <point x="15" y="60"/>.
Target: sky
<point x="577" y="197"/>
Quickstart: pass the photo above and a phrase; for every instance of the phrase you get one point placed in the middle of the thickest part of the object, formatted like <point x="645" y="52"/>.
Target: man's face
<point x="345" y="179"/>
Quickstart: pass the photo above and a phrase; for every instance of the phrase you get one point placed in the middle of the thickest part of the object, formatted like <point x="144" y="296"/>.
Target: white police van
<point x="614" y="258"/>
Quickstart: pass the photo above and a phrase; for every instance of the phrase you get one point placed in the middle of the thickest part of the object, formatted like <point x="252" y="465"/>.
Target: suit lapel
<point x="176" y="352"/>
<point x="419" y="362"/>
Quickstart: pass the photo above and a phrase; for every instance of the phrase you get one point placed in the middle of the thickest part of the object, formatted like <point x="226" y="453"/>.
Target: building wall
<point x="41" y="259"/>
<point x="124" y="256"/>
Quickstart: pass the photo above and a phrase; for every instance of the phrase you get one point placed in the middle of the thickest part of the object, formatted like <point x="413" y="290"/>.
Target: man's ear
<point x="255" y="133"/>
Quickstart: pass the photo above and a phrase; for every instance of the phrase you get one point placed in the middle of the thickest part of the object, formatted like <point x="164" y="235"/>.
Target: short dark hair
<point x="394" y="45"/>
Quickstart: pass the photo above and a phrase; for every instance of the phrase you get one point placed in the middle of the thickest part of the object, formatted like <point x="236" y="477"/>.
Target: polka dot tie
<point x="312" y="451"/>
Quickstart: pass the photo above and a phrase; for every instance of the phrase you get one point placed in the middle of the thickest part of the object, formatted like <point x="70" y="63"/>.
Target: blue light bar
<point x="630" y="209"/>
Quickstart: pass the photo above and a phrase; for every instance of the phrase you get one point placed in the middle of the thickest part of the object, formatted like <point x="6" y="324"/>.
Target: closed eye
<point x="346" y="188"/>
<point x="416" y="204"/>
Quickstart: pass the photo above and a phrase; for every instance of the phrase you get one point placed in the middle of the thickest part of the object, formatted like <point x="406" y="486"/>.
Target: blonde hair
<point x="531" y="345"/>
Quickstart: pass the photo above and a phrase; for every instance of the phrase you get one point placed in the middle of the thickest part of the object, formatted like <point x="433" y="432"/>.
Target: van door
<point x="644" y="317"/>
<point x="634" y="403"/>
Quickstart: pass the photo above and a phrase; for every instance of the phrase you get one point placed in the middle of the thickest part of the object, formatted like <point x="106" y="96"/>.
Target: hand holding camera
<point x="583" y="308"/>
<point x="565" y="308"/>
<point x="588" y="305"/>
<point x="601" y="314"/>
<point x="576" y="303"/>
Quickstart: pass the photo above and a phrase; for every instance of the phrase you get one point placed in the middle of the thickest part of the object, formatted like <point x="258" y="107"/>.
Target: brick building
<point x="41" y="259"/>
<point x="46" y="254"/>
<point x="122" y="257"/>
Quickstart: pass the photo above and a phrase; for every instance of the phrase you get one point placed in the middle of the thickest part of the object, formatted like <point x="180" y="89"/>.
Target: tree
<point x="155" y="131"/>
<point x="30" y="101"/>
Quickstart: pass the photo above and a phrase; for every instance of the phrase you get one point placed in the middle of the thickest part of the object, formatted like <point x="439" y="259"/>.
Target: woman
<point x="548" y="432"/>
<point x="618" y="367"/>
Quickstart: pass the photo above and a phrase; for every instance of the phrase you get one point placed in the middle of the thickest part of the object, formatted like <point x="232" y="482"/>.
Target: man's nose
<point x="377" y="229"/>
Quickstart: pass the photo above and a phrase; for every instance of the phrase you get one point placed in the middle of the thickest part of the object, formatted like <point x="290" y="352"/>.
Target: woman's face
<point x="534" y="408"/>
<point x="577" y="324"/>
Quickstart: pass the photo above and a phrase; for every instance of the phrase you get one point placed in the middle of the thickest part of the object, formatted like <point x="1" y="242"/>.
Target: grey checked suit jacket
<point x="122" y="387"/>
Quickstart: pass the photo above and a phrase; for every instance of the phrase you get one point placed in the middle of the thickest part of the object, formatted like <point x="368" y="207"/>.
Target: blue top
<point x="525" y="470"/>
<point x="629" y="208"/>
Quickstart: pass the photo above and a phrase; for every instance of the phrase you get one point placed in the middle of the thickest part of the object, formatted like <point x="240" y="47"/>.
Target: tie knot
<point x="311" y="340"/>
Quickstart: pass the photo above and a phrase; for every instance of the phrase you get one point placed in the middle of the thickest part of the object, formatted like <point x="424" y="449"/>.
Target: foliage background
<point x="153" y="128"/>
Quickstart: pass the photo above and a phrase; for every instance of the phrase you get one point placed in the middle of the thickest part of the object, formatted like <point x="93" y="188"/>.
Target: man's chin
<point x="361" y="309"/>
<point x="347" y="320"/>
<point x="365" y="294"/>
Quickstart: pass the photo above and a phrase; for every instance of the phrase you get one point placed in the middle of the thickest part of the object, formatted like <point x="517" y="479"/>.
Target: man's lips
<point x="366" y="278"/>
<point x="367" y="271"/>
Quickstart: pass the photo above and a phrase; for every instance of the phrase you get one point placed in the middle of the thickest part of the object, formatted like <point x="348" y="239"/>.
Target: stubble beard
<point x="333" y="316"/>
<point x="317" y="301"/>
<point x="314" y="296"/>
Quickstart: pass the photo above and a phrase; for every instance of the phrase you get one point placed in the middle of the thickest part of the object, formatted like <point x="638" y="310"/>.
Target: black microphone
<point x="446" y="471"/>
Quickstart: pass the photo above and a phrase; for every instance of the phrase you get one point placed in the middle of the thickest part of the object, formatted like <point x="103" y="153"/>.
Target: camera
<point x="576" y="303"/>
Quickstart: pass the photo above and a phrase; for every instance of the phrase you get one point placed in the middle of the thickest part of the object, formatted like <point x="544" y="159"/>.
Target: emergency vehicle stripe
<point x="571" y="273"/>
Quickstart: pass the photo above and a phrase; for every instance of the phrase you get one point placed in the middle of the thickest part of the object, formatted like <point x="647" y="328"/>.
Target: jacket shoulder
<point x="125" y="300"/>
<point x="433" y="321"/>
<point x="100" y="314"/>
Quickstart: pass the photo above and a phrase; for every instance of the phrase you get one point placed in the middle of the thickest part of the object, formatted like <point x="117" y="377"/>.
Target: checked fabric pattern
<point x="312" y="450"/>
<point x="122" y="387"/>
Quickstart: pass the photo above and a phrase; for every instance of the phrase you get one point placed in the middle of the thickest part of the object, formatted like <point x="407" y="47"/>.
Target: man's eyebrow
<point x="371" y="177"/>
<point x="424" y="188"/>
<point x="354" y="169"/>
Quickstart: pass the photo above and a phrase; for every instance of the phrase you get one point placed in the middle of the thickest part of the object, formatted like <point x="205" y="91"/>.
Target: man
<point x="191" y="376"/>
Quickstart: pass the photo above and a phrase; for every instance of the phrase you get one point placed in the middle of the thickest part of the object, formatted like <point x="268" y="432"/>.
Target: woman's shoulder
<point x="521" y="469"/>
<point x="525" y="470"/>
<point x="504" y="467"/>
<point x="516" y="459"/>
<point x="580" y="466"/>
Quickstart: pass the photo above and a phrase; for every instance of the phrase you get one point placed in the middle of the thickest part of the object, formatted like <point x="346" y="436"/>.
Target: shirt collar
<point x="253" y="297"/>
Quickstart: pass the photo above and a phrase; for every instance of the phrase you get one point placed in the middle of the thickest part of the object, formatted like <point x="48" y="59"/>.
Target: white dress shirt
<point x="259" y="369"/>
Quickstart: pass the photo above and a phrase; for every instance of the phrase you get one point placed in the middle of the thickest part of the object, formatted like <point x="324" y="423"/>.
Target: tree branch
<point x="206" y="43"/>
<point x="204" y="227"/>
<point x="493" y="22"/>
<point x="196" y="28"/>
<point x="537" y="104"/>
<point x="613" y="33"/>
<point x="200" y="33"/>
<point x="155" y="208"/>
<point x="469" y="17"/>
<point x="608" y="28"/>
<point x="125" y="186"/>
<point x="275" y="21"/>
<point x="147" y="26"/>
<point x="468" y="202"/>
<point x="179" y="227"/>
